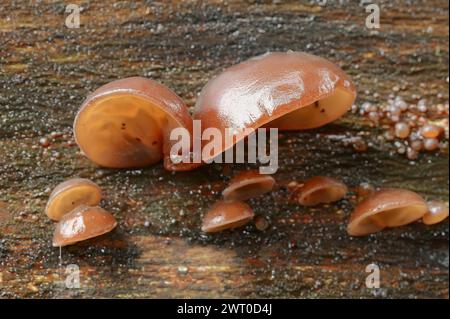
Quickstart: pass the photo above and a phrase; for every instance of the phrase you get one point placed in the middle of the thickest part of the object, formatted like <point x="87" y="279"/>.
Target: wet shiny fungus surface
<point x="70" y="194"/>
<point x="321" y="189"/>
<point x="84" y="222"/>
<point x="248" y="184"/>
<point x="386" y="208"/>
<point x="305" y="253"/>
<point x="127" y="123"/>
<point x="287" y="90"/>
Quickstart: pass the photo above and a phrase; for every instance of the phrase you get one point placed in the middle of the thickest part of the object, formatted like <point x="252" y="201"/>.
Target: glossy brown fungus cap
<point x="437" y="212"/>
<point x="290" y="91"/>
<point x="226" y="214"/>
<point x="127" y="123"/>
<point x="321" y="190"/>
<point x="84" y="222"/>
<point x="388" y="207"/>
<point x="248" y="184"/>
<point x="70" y="194"/>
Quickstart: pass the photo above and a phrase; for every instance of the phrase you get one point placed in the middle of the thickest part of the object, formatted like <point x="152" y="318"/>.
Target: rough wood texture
<point x="46" y="70"/>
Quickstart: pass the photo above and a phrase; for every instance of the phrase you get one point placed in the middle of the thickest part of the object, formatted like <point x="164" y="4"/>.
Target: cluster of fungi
<point x="127" y="124"/>
<point x="411" y="127"/>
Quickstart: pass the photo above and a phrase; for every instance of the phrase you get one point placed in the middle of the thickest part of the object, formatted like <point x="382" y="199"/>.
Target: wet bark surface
<point x="158" y="250"/>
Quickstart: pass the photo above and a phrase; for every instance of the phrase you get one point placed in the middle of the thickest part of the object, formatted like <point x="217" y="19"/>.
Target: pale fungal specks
<point x="127" y="123"/>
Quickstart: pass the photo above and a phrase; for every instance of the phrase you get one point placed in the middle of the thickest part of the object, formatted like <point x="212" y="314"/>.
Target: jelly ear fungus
<point x="321" y="189"/>
<point x="248" y="184"/>
<point x="70" y="194"/>
<point x="437" y="212"/>
<point x="84" y="222"/>
<point x="290" y="91"/>
<point x="388" y="207"/>
<point x="127" y="123"/>
<point x="227" y="214"/>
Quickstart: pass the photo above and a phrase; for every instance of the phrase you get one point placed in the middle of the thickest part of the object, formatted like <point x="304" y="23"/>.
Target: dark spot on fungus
<point x="226" y="214"/>
<point x="84" y="222"/>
